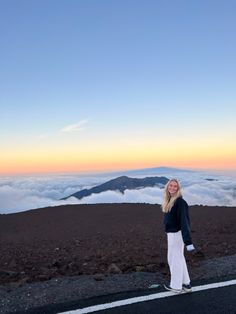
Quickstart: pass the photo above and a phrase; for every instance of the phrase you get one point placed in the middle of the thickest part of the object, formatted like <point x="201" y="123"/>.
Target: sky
<point x="106" y="85"/>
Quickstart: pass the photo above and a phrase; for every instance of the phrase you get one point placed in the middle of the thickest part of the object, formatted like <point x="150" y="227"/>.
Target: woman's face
<point x="172" y="188"/>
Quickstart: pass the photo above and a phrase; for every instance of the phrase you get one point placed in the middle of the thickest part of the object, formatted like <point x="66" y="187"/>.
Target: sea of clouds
<point x="30" y="192"/>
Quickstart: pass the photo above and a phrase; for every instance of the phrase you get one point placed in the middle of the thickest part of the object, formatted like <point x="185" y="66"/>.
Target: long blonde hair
<point x="169" y="200"/>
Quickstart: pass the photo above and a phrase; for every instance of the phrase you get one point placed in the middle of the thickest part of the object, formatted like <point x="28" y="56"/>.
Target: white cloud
<point x="24" y="193"/>
<point x="196" y="194"/>
<point x="67" y="129"/>
<point x="14" y="200"/>
<point x="146" y="195"/>
<point x="75" y="127"/>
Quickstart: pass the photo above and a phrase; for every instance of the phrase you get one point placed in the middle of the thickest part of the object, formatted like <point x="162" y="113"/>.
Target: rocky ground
<point x="67" y="252"/>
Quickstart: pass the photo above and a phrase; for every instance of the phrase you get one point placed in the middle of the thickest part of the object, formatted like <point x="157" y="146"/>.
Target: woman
<point x="177" y="227"/>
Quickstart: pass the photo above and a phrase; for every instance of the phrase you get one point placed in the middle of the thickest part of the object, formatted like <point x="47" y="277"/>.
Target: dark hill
<point x="121" y="184"/>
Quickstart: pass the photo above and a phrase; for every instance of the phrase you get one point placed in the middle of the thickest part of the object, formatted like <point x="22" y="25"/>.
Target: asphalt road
<point x="215" y="300"/>
<point x="220" y="300"/>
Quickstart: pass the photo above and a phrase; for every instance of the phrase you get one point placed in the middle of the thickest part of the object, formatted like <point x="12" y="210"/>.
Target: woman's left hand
<point x="190" y="247"/>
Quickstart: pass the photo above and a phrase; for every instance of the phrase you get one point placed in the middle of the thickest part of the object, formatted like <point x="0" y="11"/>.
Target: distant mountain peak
<point x="121" y="184"/>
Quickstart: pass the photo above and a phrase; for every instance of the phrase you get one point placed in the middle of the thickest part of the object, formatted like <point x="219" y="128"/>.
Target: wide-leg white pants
<point x="176" y="260"/>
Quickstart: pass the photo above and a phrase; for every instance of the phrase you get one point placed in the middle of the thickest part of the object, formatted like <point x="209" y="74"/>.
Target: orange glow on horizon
<point x="80" y="167"/>
<point x="130" y="155"/>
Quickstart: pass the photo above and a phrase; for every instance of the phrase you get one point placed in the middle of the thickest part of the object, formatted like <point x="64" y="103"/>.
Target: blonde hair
<point x="169" y="200"/>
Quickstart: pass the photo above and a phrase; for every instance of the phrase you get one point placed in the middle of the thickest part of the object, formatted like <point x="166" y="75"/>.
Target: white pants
<point x="176" y="260"/>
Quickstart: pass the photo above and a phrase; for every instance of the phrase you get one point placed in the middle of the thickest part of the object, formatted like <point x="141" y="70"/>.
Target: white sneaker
<point x="167" y="287"/>
<point x="187" y="288"/>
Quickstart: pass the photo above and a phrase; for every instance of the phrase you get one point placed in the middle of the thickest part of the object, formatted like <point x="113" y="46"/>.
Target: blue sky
<point x="130" y="68"/>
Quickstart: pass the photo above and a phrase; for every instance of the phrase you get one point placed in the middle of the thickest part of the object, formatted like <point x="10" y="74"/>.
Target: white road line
<point x="149" y="297"/>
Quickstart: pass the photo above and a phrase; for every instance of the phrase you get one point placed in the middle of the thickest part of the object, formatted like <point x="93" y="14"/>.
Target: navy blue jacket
<point x="178" y="219"/>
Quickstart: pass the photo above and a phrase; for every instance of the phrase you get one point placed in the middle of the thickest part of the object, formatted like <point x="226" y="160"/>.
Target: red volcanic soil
<point x="70" y="240"/>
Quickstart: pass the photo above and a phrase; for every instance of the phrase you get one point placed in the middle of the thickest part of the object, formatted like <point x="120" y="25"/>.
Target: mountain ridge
<point x="121" y="184"/>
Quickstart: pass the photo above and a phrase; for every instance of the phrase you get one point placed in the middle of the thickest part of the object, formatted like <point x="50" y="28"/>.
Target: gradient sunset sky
<point x="100" y="85"/>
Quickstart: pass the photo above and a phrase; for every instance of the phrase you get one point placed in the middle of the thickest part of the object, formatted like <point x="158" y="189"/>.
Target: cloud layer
<point x="24" y="193"/>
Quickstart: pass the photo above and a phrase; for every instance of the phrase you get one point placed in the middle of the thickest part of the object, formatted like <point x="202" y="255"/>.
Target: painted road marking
<point x="149" y="297"/>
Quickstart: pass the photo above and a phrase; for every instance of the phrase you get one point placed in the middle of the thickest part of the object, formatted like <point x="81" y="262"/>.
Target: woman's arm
<point x="185" y="224"/>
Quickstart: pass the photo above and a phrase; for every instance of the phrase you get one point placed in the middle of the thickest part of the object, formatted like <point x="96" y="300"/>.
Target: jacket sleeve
<point x="184" y="222"/>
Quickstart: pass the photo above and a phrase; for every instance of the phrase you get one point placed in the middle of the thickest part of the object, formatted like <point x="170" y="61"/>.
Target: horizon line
<point x="99" y="172"/>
